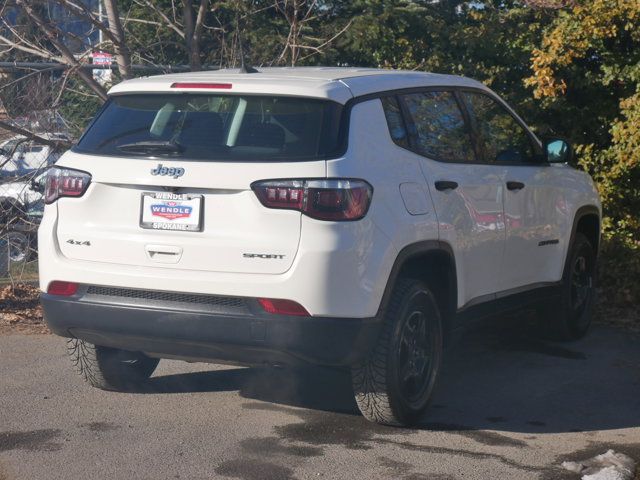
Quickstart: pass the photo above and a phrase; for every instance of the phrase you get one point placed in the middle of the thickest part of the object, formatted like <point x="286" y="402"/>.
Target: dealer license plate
<point x="171" y="211"/>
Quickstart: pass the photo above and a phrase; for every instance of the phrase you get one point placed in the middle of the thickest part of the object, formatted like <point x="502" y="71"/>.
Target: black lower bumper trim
<point x="249" y="339"/>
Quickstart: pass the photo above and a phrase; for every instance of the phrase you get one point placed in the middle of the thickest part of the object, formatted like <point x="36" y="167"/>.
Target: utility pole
<point x="100" y="19"/>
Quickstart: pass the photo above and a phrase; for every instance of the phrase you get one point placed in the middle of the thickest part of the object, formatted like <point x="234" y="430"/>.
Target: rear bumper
<point x="340" y="269"/>
<point x="232" y="330"/>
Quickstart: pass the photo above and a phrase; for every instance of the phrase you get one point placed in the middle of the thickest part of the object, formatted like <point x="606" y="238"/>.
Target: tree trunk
<point x="193" y="31"/>
<point x="294" y="33"/>
<point x="123" y="57"/>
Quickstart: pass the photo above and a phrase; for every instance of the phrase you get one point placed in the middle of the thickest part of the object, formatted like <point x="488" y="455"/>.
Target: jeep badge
<point x="168" y="171"/>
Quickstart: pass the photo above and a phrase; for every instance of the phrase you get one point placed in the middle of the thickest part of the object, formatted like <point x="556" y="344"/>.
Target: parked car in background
<point x="21" y="210"/>
<point x="23" y="163"/>
<point x="25" y="191"/>
<point x="20" y="156"/>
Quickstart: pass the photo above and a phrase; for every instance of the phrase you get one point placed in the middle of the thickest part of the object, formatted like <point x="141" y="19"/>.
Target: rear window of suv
<point x="215" y="127"/>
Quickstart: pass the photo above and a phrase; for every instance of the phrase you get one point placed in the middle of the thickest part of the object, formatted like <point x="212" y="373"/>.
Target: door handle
<point x="442" y="185"/>
<point x="511" y="185"/>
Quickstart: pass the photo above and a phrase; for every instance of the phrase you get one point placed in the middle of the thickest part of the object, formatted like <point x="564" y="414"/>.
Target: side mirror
<point x="558" y="151"/>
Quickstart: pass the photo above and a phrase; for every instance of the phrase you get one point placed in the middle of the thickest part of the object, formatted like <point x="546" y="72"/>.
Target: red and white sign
<point x="102" y="75"/>
<point x="100" y="58"/>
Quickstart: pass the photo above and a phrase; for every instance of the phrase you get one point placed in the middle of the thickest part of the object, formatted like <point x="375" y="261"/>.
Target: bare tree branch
<point x="40" y="53"/>
<point x="319" y="48"/>
<point x="84" y="12"/>
<point x="32" y="136"/>
<point x="298" y="14"/>
<point x="53" y="36"/>
<point x="172" y="25"/>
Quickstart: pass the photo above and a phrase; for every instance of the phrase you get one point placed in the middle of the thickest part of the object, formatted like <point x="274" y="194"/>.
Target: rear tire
<point x="109" y="368"/>
<point x="394" y="384"/>
<point x="569" y="318"/>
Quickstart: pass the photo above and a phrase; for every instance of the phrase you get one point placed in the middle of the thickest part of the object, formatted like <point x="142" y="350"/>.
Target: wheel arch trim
<point x="413" y="251"/>
<point x="582" y="212"/>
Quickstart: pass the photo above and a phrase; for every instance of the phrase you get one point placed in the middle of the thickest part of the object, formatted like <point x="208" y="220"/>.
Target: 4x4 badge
<point x="168" y="171"/>
<point x="85" y="243"/>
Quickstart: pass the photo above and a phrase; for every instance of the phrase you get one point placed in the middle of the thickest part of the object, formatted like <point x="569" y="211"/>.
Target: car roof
<point x="334" y="83"/>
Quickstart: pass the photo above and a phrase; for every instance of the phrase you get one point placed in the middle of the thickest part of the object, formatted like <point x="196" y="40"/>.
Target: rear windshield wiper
<point x="151" y="146"/>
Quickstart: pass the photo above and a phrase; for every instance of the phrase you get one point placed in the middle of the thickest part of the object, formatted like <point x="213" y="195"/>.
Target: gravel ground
<point x="507" y="407"/>
<point x="20" y="310"/>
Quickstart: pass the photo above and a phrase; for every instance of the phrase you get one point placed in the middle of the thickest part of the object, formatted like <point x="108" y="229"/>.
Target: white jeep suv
<point x="341" y="217"/>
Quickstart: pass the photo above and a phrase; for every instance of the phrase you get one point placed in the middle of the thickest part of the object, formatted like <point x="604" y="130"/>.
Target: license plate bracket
<point x="172" y="211"/>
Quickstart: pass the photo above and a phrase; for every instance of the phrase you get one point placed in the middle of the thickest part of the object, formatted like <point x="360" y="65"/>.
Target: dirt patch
<point x="101" y="426"/>
<point x="34" y="441"/>
<point x="20" y="310"/>
<point x="4" y="471"/>
<point x="273" y="447"/>
<point x="254" y="470"/>
<point x="627" y="318"/>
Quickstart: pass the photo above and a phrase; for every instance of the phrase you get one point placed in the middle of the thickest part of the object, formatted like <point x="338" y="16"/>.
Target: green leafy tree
<point x="589" y="58"/>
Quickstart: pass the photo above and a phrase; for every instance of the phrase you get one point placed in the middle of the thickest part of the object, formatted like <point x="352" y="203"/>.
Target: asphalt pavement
<point x="508" y="407"/>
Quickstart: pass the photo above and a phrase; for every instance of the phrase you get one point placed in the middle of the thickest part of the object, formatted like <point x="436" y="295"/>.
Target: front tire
<point x="394" y="384"/>
<point x="569" y="318"/>
<point x="110" y="368"/>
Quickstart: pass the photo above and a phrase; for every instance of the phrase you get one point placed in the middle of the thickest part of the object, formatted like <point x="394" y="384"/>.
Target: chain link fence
<point x="33" y="133"/>
<point x="23" y="165"/>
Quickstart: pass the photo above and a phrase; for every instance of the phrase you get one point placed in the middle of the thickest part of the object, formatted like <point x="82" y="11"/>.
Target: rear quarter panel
<point x="372" y="156"/>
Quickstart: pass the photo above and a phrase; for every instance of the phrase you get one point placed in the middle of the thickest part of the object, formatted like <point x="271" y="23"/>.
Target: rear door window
<point x="503" y="139"/>
<point x="437" y="126"/>
<point x="215" y="127"/>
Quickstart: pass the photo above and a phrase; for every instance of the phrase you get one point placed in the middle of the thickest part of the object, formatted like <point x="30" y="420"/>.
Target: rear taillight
<point x="330" y="199"/>
<point x="65" y="289"/>
<point x="65" y="182"/>
<point x="282" y="307"/>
